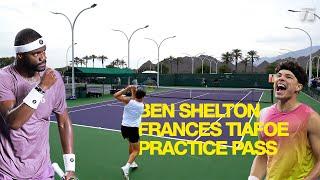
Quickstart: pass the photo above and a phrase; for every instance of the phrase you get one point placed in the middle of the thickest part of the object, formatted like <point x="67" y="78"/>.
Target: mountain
<point x="292" y="54"/>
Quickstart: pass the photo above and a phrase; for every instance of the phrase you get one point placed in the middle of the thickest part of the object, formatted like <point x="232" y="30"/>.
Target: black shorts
<point x="130" y="133"/>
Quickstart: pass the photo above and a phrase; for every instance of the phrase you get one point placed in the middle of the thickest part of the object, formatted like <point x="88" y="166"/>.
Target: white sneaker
<point x="134" y="165"/>
<point x="125" y="172"/>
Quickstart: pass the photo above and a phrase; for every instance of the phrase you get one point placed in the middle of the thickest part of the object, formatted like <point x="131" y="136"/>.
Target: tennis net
<point x="218" y="94"/>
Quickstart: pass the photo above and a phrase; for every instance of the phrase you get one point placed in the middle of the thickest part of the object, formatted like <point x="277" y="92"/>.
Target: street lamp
<point x="310" y="58"/>
<point x="205" y="58"/>
<point x="315" y="15"/>
<point x="73" y="96"/>
<point x="291" y="10"/>
<point x="67" y="53"/>
<point x="158" y="46"/>
<point x="215" y="60"/>
<point x="216" y="65"/>
<point x="129" y="39"/>
<point x="193" y="59"/>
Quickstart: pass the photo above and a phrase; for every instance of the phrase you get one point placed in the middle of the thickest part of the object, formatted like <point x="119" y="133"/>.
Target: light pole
<point x="73" y="95"/>
<point x="67" y="54"/>
<point x="193" y="59"/>
<point x="216" y="66"/>
<point x="129" y="39"/>
<point x="202" y="59"/>
<point x="295" y="11"/>
<point x="291" y="10"/>
<point x="158" y="46"/>
<point x="215" y="61"/>
<point x="310" y="58"/>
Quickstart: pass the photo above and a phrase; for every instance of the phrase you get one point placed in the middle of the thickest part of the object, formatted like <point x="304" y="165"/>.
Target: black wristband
<point x="39" y="89"/>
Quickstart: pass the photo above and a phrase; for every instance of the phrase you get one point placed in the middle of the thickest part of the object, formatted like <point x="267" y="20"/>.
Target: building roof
<point x="98" y="72"/>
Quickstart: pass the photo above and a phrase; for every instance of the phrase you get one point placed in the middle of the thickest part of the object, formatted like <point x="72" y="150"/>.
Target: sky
<point x="201" y="26"/>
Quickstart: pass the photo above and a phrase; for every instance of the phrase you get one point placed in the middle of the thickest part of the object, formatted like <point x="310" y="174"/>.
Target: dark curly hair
<point x="140" y="93"/>
<point x="295" y="68"/>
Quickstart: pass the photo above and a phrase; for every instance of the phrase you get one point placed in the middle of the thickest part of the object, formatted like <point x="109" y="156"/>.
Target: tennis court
<point x="101" y="151"/>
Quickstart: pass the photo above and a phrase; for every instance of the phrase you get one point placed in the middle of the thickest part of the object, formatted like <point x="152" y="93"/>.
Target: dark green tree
<point x="270" y="68"/>
<point x="236" y="54"/>
<point x="224" y="69"/>
<point x="253" y="57"/>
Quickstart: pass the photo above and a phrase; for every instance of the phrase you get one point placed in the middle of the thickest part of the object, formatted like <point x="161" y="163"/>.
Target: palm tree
<point x="86" y="58"/>
<point x="103" y="58"/>
<point x="226" y="58"/>
<point x="171" y="61"/>
<point x="113" y="64"/>
<point x="81" y="61"/>
<point x="237" y="54"/>
<point x="76" y="61"/>
<point x="116" y="62"/>
<point x="178" y="61"/>
<point x="122" y="63"/>
<point x="245" y="61"/>
<point x="93" y="57"/>
<point x="253" y="57"/>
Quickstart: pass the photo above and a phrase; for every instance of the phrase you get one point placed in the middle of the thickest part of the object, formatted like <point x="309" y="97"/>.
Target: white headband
<point x="30" y="46"/>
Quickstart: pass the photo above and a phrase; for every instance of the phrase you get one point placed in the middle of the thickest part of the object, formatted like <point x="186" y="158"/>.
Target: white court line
<point x="116" y="130"/>
<point x="224" y="114"/>
<point x="116" y="102"/>
<point x="242" y="137"/>
<point x="88" y="108"/>
<point x="164" y="92"/>
<point x="171" y="138"/>
<point x="310" y="97"/>
<point x="115" y="105"/>
<point x="110" y="104"/>
<point x="92" y="103"/>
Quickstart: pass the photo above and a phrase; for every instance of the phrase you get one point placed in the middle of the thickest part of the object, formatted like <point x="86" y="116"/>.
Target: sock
<point x="127" y="165"/>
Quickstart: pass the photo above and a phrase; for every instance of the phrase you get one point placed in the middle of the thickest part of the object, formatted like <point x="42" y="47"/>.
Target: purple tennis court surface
<point x="108" y="115"/>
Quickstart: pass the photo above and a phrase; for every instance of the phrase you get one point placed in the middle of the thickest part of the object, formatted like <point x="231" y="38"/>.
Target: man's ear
<point x="299" y="87"/>
<point x="19" y="56"/>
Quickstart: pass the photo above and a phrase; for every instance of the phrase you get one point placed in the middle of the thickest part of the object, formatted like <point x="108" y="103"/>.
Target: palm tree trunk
<point x="177" y="67"/>
<point x="252" y="65"/>
<point x="236" y="65"/>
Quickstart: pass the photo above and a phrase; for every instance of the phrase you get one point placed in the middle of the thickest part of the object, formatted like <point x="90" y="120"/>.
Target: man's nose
<point x="42" y="56"/>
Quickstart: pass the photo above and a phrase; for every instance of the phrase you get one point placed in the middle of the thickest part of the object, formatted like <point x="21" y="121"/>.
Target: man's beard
<point x="35" y="67"/>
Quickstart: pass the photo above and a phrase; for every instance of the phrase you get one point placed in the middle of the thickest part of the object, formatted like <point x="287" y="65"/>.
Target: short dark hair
<point x="295" y="68"/>
<point x="26" y="36"/>
<point x="140" y="93"/>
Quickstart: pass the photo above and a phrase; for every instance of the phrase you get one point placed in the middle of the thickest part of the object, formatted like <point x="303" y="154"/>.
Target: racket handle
<point x="58" y="170"/>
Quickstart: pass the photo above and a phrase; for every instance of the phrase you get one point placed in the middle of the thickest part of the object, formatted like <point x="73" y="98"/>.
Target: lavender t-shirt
<point x="25" y="153"/>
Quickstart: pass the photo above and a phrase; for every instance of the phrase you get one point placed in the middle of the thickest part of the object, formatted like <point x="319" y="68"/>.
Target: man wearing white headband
<point x="29" y="93"/>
